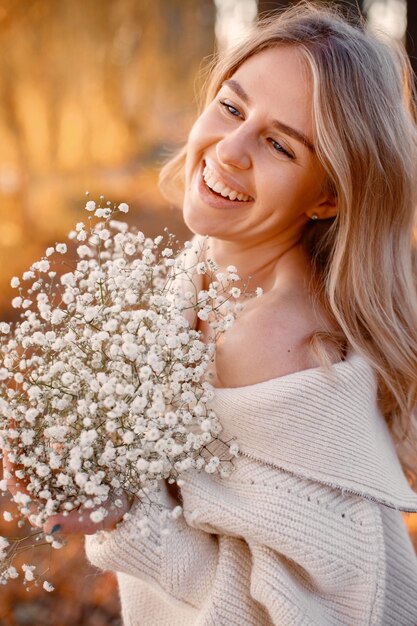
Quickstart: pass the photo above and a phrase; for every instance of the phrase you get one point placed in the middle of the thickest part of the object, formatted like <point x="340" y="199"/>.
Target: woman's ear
<point x="325" y="208"/>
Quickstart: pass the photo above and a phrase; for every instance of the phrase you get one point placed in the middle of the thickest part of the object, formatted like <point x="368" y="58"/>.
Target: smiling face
<point x="251" y="174"/>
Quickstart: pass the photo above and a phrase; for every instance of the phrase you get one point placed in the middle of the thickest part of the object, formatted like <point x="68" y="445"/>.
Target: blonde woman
<point x="301" y="169"/>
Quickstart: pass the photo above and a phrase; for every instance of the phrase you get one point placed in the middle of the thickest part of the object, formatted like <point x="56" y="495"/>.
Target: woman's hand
<point x="77" y="521"/>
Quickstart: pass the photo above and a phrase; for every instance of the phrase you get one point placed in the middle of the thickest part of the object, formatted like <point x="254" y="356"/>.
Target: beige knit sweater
<point x="306" y="531"/>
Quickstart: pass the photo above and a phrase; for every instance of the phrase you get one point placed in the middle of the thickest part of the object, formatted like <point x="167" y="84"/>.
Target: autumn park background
<point x="94" y="95"/>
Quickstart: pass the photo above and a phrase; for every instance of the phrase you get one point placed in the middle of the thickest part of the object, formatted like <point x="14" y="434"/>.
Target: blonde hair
<point x="365" y="258"/>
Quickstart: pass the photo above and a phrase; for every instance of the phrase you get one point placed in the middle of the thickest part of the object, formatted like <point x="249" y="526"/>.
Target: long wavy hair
<point x="365" y="258"/>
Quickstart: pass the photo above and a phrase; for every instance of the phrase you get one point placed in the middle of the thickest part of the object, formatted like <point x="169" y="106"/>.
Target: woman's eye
<point x="277" y="146"/>
<point x="230" y="108"/>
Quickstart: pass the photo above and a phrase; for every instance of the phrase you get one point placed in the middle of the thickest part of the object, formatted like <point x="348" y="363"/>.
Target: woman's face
<point x="255" y="139"/>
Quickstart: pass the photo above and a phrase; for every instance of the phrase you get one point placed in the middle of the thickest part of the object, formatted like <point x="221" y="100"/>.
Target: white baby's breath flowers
<point x="234" y="449"/>
<point x="28" y="572"/>
<point x="98" y="515"/>
<point x="103" y="388"/>
<point x="4" y="545"/>
<point x="48" y="586"/>
<point x="12" y="572"/>
<point x="235" y="292"/>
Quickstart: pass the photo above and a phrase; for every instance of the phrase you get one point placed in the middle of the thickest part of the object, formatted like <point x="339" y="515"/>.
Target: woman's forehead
<point x="277" y="81"/>
<point x="279" y="58"/>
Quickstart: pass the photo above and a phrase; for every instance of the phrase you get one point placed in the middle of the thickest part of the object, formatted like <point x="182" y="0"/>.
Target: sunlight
<point x="389" y="16"/>
<point x="233" y="19"/>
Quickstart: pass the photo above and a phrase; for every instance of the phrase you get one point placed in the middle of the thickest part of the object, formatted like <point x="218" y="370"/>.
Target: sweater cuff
<point x="167" y="552"/>
<point x="135" y="546"/>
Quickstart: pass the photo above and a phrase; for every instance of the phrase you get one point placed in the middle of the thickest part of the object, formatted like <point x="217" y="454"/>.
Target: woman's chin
<point x="199" y="224"/>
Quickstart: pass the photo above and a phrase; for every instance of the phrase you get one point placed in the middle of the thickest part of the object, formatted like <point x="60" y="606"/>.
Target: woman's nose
<point x="233" y="149"/>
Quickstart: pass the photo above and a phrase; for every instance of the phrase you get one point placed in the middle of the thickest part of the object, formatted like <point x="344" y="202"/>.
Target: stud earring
<point x="314" y="216"/>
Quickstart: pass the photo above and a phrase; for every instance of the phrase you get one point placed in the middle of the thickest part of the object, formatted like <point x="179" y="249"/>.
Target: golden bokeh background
<point x="94" y="95"/>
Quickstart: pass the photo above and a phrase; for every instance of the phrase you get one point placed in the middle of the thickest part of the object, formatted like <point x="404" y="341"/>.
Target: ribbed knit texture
<point x="307" y="531"/>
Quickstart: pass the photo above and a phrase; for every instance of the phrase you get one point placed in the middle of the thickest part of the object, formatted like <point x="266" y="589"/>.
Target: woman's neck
<point x="266" y="266"/>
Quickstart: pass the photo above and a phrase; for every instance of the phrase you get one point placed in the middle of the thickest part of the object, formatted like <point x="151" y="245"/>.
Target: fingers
<point x="85" y="522"/>
<point x="80" y="523"/>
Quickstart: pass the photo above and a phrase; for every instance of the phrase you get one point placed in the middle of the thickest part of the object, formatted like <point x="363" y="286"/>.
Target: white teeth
<point x="218" y="187"/>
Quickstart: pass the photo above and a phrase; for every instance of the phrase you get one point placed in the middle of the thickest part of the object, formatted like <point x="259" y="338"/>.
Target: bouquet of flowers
<point x="102" y="379"/>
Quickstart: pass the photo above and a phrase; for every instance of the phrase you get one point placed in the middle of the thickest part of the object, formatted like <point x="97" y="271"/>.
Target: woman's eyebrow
<point x="237" y="88"/>
<point x="288" y="130"/>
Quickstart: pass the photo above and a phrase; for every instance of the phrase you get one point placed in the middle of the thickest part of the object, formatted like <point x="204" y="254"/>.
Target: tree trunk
<point x="350" y="6"/>
<point x="412" y="34"/>
<point x="270" y="5"/>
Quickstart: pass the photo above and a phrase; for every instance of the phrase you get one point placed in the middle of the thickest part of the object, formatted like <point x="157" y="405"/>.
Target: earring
<point x="314" y="216"/>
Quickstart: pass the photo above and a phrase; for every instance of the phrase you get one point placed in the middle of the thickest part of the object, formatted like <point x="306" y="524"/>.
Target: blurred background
<point x="94" y="95"/>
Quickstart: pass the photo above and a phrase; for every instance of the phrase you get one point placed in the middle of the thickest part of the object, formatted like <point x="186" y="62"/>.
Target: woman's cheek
<point x="205" y="130"/>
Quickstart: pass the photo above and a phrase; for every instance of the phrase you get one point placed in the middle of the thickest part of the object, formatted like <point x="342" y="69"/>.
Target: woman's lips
<point x="225" y="178"/>
<point x="214" y="199"/>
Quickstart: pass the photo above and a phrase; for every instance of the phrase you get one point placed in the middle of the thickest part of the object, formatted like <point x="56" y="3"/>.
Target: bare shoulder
<point x="269" y="339"/>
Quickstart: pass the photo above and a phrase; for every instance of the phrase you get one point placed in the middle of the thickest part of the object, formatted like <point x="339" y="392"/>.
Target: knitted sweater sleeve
<point x="177" y="558"/>
<point x="276" y="548"/>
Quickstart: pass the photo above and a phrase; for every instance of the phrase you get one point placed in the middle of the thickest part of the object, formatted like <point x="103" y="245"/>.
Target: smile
<point x="216" y="186"/>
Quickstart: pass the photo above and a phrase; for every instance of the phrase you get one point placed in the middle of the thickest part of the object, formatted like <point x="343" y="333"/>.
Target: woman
<point x="301" y="170"/>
